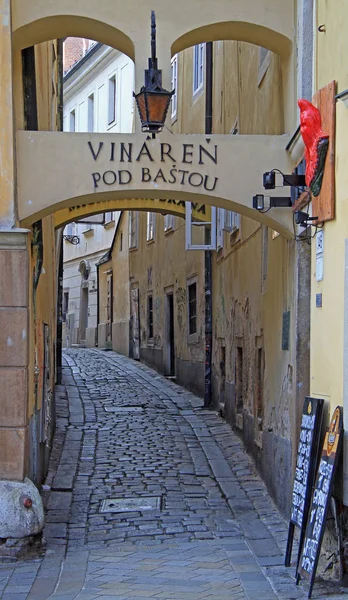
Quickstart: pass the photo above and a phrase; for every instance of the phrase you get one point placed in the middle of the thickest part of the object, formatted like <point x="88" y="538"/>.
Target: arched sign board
<point x="321" y="495"/>
<point x="57" y="171"/>
<point x="306" y="466"/>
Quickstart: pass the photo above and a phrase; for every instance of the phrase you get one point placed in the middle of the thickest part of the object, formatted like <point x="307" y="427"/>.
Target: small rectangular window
<point x="150" y="230"/>
<point x="133" y="229"/>
<point x="72" y="120"/>
<point x="90" y="109"/>
<point x="174" y="73"/>
<point x="121" y="241"/>
<point x="65" y="307"/>
<point x="192" y="308"/>
<point x="198" y="67"/>
<point x="169" y="222"/>
<point x="109" y="217"/>
<point x="150" y="317"/>
<point x="112" y="100"/>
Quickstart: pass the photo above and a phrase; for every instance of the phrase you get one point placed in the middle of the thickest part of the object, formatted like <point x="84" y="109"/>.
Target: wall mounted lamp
<point x="153" y="100"/>
<point x="269" y="180"/>
<point x="274" y="202"/>
<point x="72" y="239"/>
<point x="302" y="218"/>
<point x="343" y="96"/>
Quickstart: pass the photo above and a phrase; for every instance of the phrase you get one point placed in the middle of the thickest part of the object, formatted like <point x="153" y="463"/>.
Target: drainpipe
<point x="60" y="251"/>
<point x="208" y="253"/>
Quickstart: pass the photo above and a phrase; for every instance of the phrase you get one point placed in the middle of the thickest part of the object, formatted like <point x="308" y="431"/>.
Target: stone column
<point x="18" y="519"/>
<point x="21" y="513"/>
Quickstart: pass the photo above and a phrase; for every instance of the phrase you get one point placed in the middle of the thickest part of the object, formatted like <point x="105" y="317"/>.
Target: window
<point x="69" y="229"/>
<point x="133" y="229"/>
<point x="174" y="72"/>
<point x="192" y="308"/>
<point x="150" y="230"/>
<point x="72" y="126"/>
<point x="112" y="100"/>
<point x="65" y="306"/>
<point x="150" y="317"/>
<point x="227" y="221"/>
<point x="169" y="222"/>
<point x="109" y="217"/>
<point x="90" y="110"/>
<point x="121" y="241"/>
<point x="198" y="67"/>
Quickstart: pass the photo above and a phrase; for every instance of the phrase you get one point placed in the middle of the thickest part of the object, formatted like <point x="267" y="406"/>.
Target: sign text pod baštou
<point x="158" y="164"/>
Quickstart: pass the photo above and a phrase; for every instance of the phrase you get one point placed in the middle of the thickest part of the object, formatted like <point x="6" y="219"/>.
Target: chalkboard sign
<point x="320" y="500"/>
<point x="306" y="463"/>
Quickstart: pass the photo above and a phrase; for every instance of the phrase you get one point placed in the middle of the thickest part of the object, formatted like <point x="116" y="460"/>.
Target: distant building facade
<point x="98" y="86"/>
<point x="160" y="290"/>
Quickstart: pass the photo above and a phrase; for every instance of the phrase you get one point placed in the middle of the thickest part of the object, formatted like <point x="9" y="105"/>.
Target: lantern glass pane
<point x="157" y="105"/>
<point x="141" y="106"/>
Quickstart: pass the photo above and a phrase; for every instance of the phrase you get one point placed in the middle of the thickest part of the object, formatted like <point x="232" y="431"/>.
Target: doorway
<point x="134" y="325"/>
<point x="169" y="345"/>
<point x="83" y="313"/>
<point x="109" y="309"/>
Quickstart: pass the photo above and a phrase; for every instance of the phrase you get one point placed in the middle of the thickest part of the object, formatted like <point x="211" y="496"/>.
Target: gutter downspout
<point x="208" y="253"/>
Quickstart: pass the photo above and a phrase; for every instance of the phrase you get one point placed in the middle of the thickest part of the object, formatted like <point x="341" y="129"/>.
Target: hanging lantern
<point x="153" y="100"/>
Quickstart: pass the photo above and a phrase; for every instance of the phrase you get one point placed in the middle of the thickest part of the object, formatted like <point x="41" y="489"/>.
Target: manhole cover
<point x="130" y="504"/>
<point x="123" y="409"/>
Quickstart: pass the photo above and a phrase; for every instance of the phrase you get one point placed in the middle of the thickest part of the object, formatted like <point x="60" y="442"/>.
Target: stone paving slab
<point x="217" y="533"/>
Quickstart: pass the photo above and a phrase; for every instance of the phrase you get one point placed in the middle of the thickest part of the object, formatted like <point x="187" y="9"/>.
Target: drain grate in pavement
<point x="119" y="505"/>
<point x="123" y="409"/>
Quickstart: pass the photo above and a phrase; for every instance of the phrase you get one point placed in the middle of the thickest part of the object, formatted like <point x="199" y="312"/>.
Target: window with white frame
<point x="198" y="67"/>
<point x="90" y="115"/>
<point x="227" y="220"/>
<point x="169" y="222"/>
<point x="112" y="100"/>
<point x="174" y="72"/>
<point x="72" y="121"/>
<point x="150" y="229"/>
<point x="133" y="229"/>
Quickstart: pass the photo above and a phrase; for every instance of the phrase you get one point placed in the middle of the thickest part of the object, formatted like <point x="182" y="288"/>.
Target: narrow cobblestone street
<point x="150" y="496"/>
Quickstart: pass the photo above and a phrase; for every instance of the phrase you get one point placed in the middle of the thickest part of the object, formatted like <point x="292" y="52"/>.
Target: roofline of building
<point x="108" y="255"/>
<point x="82" y="61"/>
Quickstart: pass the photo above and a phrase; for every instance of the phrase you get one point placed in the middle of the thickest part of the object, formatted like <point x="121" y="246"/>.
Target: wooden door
<point x="135" y="325"/>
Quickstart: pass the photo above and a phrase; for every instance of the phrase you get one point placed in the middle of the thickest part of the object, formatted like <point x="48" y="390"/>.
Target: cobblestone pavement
<point x="204" y="525"/>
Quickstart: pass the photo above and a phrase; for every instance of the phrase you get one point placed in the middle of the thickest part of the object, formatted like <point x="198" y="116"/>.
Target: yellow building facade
<point x="329" y="321"/>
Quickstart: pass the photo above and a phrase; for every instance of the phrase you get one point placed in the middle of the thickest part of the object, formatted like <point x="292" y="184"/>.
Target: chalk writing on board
<point x="320" y="499"/>
<point x="302" y="467"/>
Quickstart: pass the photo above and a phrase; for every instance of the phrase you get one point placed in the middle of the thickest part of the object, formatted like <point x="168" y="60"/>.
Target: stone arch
<point x="54" y="27"/>
<point x="238" y="31"/>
